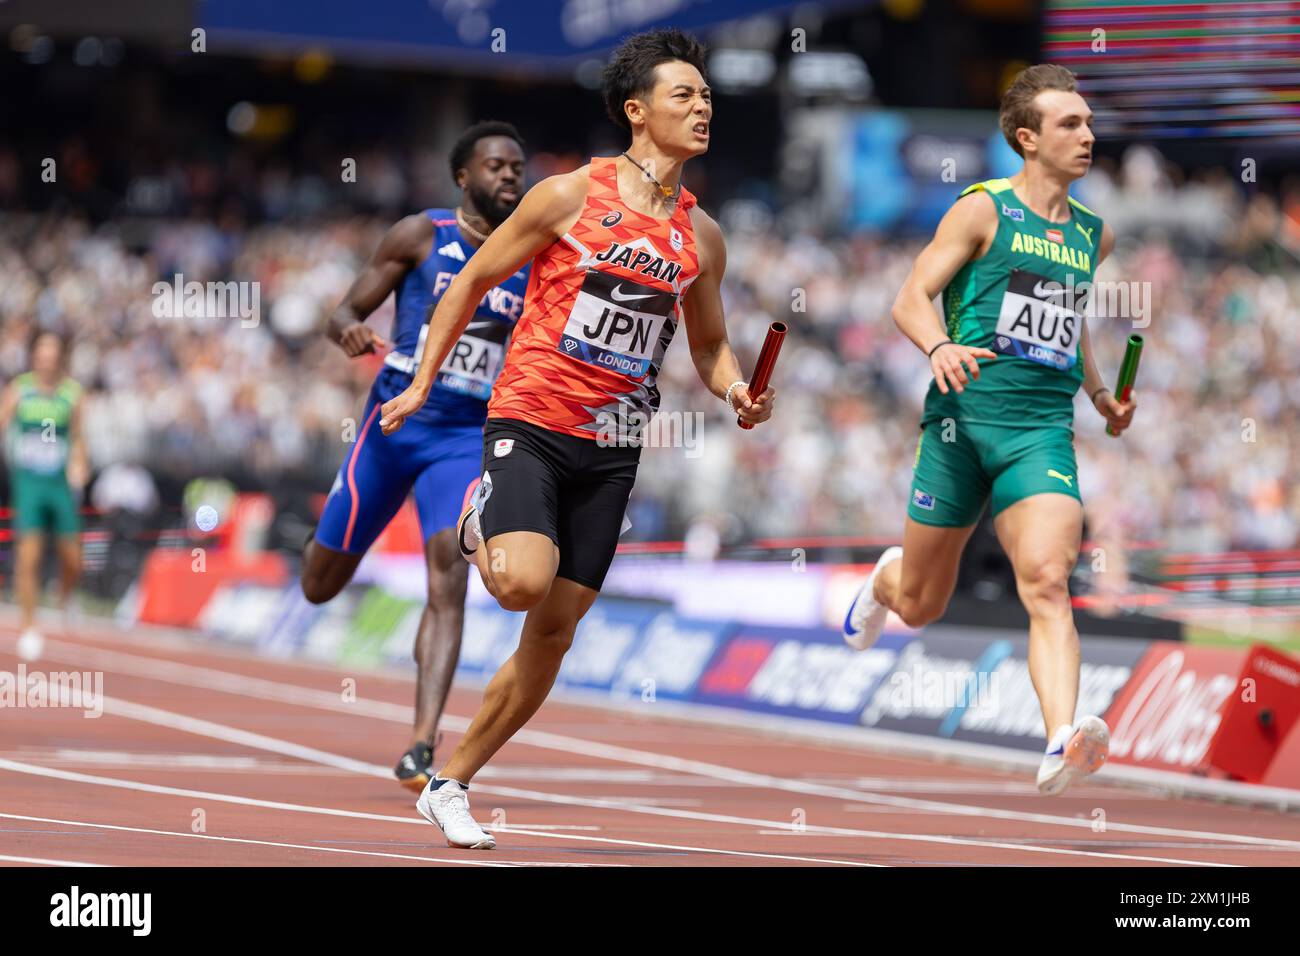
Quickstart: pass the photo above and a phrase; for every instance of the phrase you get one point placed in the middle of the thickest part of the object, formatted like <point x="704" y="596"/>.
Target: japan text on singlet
<point x="602" y="305"/>
<point x="1025" y="299"/>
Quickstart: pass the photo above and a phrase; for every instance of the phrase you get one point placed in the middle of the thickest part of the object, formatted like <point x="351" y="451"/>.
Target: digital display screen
<point x="1182" y="70"/>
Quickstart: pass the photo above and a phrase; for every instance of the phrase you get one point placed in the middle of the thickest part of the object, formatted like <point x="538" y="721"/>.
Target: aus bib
<point x="1039" y="320"/>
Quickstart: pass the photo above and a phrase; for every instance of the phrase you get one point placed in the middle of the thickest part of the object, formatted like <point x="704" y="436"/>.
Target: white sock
<point x="1060" y="738"/>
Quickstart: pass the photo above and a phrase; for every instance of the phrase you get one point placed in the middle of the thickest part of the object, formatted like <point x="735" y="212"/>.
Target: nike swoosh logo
<point x="623" y="297"/>
<point x="1043" y="293"/>
<point x="481" y="324"/>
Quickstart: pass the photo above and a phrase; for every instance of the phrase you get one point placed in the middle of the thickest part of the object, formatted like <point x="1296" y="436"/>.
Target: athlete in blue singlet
<point x="441" y="456"/>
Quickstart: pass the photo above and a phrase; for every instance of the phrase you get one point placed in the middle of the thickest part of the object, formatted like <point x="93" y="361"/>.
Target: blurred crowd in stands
<point x="1211" y="463"/>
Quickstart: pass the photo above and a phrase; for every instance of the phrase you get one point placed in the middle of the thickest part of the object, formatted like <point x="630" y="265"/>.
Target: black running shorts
<point x="571" y="489"/>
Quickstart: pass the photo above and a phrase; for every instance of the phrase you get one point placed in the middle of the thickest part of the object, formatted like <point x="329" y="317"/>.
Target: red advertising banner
<point x="1258" y="718"/>
<point x="1169" y="712"/>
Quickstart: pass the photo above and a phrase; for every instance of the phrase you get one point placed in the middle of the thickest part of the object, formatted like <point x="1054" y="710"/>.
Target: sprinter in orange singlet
<point x="620" y="254"/>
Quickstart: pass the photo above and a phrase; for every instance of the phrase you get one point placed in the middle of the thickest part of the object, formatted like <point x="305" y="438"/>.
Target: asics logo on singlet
<point x="625" y="297"/>
<point x="612" y="220"/>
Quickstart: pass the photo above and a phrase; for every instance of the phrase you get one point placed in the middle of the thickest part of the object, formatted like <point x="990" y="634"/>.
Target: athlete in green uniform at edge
<point x="40" y="417"/>
<point x="1008" y="355"/>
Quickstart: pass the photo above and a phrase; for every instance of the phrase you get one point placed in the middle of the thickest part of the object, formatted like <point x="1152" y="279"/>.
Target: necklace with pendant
<point x="668" y="194"/>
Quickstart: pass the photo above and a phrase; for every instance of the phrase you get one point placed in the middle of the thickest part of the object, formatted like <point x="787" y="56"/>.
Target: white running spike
<point x="445" y="804"/>
<point x="866" y="617"/>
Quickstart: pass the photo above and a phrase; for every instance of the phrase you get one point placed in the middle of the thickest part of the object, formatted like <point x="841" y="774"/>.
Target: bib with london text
<point x="1039" y="321"/>
<point x="617" y="323"/>
<point x="472" y="365"/>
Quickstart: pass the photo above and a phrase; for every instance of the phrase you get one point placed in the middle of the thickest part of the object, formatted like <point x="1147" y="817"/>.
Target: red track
<point x="237" y="733"/>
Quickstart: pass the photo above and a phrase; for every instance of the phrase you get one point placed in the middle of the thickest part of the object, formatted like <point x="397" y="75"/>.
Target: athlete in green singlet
<point x="40" y="418"/>
<point x="1014" y="259"/>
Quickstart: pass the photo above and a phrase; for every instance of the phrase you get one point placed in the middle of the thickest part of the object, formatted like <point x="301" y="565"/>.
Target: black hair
<point x="630" y="72"/>
<point x="464" y="147"/>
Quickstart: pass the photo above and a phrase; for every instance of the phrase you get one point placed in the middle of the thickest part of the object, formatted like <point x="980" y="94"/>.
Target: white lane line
<point x="260" y="688"/>
<point x="223" y="839"/>
<point x="39" y="771"/>
<point x="207" y="728"/>
<point x="506" y="828"/>
<point x="820" y="829"/>
<point x="38" y="861"/>
<point x="189" y="762"/>
<point x="605" y="804"/>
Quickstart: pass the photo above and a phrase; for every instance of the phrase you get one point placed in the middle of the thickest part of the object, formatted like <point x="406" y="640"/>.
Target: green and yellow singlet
<point x="40" y="431"/>
<point x="1024" y="299"/>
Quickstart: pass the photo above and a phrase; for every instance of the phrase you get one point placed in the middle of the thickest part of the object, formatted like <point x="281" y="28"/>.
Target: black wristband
<point x="939" y="346"/>
<point x="1093" y="397"/>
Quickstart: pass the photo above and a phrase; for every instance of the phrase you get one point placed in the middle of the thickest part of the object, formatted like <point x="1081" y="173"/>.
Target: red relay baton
<point x="766" y="362"/>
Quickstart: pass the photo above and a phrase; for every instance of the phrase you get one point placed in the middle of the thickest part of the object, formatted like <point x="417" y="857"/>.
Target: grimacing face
<point x="680" y="108"/>
<point x="1064" y="142"/>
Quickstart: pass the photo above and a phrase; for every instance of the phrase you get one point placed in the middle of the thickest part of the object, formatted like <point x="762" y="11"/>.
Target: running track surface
<point x="210" y="756"/>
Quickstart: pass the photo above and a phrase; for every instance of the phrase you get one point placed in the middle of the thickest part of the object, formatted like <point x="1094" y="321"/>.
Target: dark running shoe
<point x="415" y="769"/>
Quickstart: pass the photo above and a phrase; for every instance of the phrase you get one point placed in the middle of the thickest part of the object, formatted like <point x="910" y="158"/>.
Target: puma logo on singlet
<point x="1068" y="479"/>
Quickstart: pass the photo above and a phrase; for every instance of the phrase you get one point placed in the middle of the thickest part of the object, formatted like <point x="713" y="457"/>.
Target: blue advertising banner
<point x="798" y="672"/>
<point x="965" y="686"/>
<point x="906" y="168"/>
<point x="945" y="682"/>
<point x="633" y="649"/>
<point x="555" y="31"/>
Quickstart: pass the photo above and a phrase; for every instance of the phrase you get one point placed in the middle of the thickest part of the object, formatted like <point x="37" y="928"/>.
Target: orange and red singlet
<point x="601" y="307"/>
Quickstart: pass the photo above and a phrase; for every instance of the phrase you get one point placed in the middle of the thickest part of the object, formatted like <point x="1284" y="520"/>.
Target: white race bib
<point x="33" y="453"/>
<point x="1038" y="321"/>
<point x="618" y="324"/>
<point x="472" y="365"/>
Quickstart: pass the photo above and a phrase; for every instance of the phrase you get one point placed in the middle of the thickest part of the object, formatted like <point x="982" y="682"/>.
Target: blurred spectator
<point x="1210" y="464"/>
